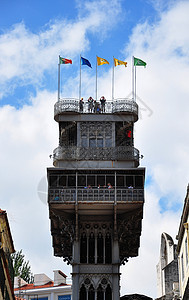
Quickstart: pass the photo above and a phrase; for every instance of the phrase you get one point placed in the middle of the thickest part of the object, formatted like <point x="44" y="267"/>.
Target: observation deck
<point x="86" y="187"/>
<point x="117" y="106"/>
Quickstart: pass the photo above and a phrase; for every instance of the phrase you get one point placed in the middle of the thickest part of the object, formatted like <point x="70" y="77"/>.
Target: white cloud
<point x="25" y="55"/>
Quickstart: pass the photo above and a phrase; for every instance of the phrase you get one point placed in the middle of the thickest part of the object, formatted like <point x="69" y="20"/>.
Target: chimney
<point x="59" y="277"/>
<point x="19" y="282"/>
<point x="41" y="279"/>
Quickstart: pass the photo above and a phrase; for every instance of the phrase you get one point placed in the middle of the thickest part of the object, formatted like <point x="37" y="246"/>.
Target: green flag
<point x="139" y="62"/>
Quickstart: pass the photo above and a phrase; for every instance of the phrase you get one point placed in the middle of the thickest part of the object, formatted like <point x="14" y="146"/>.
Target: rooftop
<point x="42" y="281"/>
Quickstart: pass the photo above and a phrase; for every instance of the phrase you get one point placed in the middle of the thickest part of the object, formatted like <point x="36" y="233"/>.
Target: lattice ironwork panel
<point x="96" y="153"/>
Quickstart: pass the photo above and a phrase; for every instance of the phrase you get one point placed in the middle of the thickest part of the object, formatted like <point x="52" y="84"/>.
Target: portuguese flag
<point x="64" y="60"/>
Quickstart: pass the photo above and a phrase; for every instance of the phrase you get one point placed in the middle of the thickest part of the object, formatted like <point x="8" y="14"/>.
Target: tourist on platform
<point x="90" y="104"/>
<point x="98" y="110"/>
<point x="130" y="187"/>
<point x="95" y="106"/>
<point x="81" y="102"/>
<point x="103" y="101"/>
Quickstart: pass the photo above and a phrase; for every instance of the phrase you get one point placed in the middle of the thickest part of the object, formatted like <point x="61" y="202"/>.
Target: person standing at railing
<point x="130" y="187"/>
<point x="103" y="101"/>
<point x="90" y="104"/>
<point x="95" y="106"/>
<point x="110" y="186"/>
<point x="81" y="102"/>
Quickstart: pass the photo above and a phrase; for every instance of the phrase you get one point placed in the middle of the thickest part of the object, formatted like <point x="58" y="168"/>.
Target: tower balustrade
<point x="95" y="194"/>
<point x="120" y="105"/>
<point x="96" y="153"/>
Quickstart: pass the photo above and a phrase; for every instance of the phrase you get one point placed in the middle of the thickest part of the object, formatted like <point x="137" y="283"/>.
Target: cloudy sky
<point x="32" y="35"/>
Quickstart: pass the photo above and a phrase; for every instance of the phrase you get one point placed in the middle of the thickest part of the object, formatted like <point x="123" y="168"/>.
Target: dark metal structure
<point x="96" y="194"/>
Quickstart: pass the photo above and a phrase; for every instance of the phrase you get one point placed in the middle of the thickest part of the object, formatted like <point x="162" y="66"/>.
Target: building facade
<point x="6" y="268"/>
<point x="183" y="250"/>
<point x="96" y="194"/>
<point x="44" y="288"/>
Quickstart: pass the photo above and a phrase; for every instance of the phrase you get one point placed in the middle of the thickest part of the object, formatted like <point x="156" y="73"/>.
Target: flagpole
<point x="80" y="80"/>
<point x="135" y="83"/>
<point x="96" y="77"/>
<point x="113" y="80"/>
<point x="59" y="79"/>
<point x="133" y="77"/>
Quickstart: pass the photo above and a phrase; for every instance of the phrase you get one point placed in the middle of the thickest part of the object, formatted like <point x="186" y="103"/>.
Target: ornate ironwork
<point x="97" y="129"/>
<point x="115" y="106"/>
<point x="94" y="194"/>
<point x="124" y="105"/>
<point x="66" y="105"/>
<point x="129" y="231"/>
<point x="63" y="230"/>
<point x="101" y="153"/>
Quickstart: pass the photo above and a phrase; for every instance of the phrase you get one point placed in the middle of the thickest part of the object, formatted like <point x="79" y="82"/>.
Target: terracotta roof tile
<point x="32" y="286"/>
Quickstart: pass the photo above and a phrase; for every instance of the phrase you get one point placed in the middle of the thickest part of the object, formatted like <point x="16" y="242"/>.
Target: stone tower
<point x="167" y="269"/>
<point x="96" y="194"/>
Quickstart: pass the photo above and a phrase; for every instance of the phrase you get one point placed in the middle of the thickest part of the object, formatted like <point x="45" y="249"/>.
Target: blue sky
<point x="32" y="36"/>
<point x="39" y="16"/>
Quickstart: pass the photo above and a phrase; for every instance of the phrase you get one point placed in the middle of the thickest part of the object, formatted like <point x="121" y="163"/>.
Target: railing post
<point x="76" y="189"/>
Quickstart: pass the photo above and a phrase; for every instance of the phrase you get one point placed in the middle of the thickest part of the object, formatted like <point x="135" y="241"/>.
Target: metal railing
<point x="101" y="153"/>
<point x="95" y="194"/>
<point x="111" y="106"/>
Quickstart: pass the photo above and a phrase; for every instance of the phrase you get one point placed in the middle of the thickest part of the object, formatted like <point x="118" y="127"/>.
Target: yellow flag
<point x="118" y="62"/>
<point x="101" y="61"/>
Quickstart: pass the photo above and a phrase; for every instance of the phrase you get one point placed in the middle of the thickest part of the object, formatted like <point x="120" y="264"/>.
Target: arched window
<point x="108" y="294"/>
<point x="83" y="248"/>
<point x="100" y="248"/>
<point x="100" y="293"/>
<point x="82" y="293"/>
<point x="108" y="249"/>
<point x="91" y="293"/>
<point x="91" y="248"/>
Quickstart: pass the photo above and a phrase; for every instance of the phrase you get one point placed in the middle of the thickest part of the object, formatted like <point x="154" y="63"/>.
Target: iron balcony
<point x="101" y="153"/>
<point x="116" y="106"/>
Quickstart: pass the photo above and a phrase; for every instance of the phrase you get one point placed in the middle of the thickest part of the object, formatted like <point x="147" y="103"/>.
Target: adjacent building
<point x="44" y="288"/>
<point x="183" y="250"/>
<point x="96" y="193"/>
<point x="167" y="270"/>
<point x="6" y="268"/>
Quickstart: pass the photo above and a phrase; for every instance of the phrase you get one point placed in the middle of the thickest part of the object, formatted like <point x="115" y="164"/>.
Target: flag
<point x="64" y="60"/>
<point x="139" y="62"/>
<point x="101" y="61"/>
<point x="85" y="61"/>
<point x="118" y="62"/>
